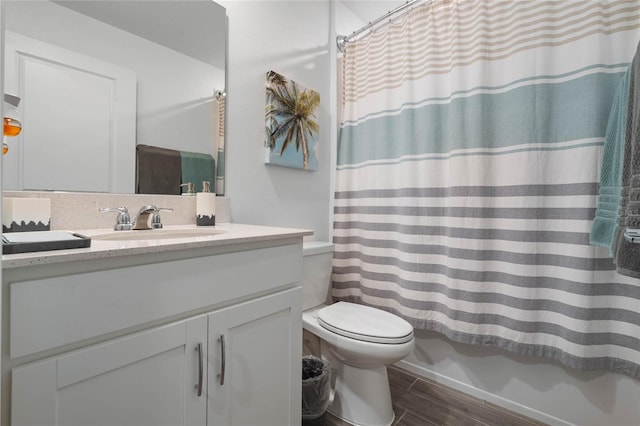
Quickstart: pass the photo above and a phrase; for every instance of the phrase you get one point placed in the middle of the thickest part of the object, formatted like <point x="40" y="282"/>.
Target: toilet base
<point x="362" y="396"/>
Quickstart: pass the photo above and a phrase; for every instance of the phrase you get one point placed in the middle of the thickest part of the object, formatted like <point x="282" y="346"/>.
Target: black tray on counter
<point x="27" y="242"/>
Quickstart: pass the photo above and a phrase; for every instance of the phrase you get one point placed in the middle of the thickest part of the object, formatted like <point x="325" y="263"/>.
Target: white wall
<point x="294" y="39"/>
<point x="533" y="386"/>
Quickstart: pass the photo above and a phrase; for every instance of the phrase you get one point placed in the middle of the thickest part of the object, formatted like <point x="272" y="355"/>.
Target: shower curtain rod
<point x="342" y="40"/>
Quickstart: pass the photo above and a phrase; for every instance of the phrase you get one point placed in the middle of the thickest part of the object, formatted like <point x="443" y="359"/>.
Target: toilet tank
<point x="316" y="278"/>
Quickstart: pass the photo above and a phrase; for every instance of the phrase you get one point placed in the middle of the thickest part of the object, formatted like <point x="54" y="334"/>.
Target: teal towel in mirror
<point x="197" y="167"/>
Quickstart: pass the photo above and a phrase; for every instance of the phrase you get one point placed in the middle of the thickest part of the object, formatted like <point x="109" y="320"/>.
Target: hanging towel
<point x="628" y="254"/>
<point x="197" y="167"/>
<point x="158" y="170"/>
<point x="605" y="224"/>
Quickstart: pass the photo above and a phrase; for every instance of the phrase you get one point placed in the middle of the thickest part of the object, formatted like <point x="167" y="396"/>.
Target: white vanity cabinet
<point x="210" y="336"/>
<point x="252" y="348"/>
<point x="144" y="379"/>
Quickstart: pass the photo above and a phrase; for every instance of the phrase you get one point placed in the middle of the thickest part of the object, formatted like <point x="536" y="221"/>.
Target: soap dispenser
<point x="206" y="206"/>
<point x="189" y="190"/>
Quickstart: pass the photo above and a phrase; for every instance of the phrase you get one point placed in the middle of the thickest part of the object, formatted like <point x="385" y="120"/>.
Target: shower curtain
<point x="467" y="180"/>
<point x="221" y="102"/>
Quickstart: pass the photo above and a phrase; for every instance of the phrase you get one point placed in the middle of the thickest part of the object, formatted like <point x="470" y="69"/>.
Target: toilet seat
<point x="365" y="323"/>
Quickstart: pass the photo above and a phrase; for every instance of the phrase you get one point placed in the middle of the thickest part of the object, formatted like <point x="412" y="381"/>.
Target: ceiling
<point x="369" y="10"/>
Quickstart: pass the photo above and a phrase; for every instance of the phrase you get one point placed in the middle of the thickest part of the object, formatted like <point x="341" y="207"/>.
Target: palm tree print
<point x="290" y="116"/>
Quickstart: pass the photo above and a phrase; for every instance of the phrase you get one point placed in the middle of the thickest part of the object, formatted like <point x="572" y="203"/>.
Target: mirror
<point x="96" y="78"/>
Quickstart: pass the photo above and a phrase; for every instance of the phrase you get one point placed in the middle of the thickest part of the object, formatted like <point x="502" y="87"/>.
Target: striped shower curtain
<point x="221" y="102"/>
<point x="468" y="168"/>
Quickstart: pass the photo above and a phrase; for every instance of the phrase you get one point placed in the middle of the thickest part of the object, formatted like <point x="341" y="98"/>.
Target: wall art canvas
<point x="291" y="124"/>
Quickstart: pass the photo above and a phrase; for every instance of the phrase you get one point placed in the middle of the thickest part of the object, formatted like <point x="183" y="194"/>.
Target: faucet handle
<point x="123" y="221"/>
<point x="156" y="223"/>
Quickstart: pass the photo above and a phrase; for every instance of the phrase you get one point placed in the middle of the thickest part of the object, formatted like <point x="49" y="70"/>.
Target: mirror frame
<point x="220" y="188"/>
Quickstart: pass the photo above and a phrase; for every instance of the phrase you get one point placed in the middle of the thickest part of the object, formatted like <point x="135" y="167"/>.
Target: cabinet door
<point x="148" y="378"/>
<point x="255" y="362"/>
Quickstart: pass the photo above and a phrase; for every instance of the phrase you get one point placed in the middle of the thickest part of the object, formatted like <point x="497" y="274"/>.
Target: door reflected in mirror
<point x="96" y="78"/>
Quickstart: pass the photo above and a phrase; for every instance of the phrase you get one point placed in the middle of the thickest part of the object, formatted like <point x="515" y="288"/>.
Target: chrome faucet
<point x="123" y="221"/>
<point x="149" y="212"/>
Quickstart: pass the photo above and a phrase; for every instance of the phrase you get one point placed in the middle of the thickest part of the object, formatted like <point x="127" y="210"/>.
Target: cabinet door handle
<point x="223" y="363"/>
<point x="200" y="369"/>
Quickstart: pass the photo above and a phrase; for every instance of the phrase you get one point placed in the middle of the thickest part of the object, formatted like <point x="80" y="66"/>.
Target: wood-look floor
<point x="421" y="402"/>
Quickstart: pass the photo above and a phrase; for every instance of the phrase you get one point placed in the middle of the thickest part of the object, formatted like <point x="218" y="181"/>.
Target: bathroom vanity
<point x="192" y="330"/>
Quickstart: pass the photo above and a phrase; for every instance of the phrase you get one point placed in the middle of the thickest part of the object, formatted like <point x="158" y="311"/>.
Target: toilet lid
<point x="365" y="323"/>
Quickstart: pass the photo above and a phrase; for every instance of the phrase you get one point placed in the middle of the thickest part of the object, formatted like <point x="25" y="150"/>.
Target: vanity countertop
<point x="230" y="233"/>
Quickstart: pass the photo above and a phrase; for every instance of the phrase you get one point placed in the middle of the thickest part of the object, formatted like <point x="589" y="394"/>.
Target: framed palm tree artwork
<point x="291" y="124"/>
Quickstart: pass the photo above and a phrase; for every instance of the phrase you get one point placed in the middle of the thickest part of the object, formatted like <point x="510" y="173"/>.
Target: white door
<point x="148" y="378"/>
<point x="78" y="120"/>
<point x="255" y="368"/>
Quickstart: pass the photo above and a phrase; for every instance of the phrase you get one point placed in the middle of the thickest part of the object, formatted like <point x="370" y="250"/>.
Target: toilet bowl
<point x="358" y="341"/>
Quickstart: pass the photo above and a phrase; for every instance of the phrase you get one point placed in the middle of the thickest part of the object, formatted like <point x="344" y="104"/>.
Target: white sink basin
<point x="156" y="234"/>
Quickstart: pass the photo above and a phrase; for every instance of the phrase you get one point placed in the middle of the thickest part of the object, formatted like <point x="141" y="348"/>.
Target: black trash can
<point x="316" y="390"/>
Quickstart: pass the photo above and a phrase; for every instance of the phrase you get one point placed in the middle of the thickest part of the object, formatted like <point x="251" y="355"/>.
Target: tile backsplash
<point x="77" y="210"/>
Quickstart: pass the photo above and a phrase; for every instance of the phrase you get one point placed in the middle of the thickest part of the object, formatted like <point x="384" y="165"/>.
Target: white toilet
<point x="358" y="341"/>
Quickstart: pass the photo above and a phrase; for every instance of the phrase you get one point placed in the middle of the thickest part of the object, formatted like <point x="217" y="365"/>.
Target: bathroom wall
<point x="294" y="39"/>
<point x="532" y="386"/>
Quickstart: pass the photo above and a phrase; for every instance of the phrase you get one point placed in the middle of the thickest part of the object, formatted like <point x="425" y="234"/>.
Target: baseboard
<point x="479" y="393"/>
